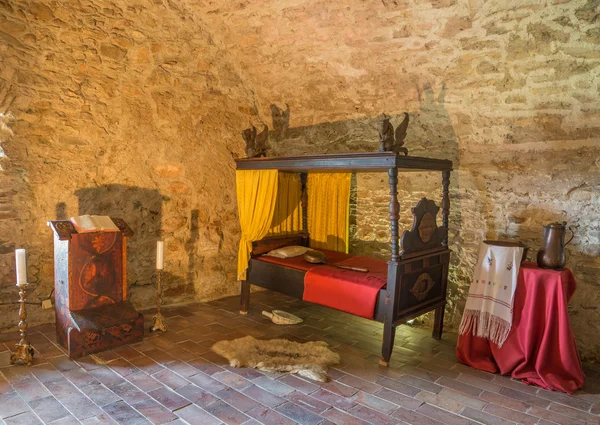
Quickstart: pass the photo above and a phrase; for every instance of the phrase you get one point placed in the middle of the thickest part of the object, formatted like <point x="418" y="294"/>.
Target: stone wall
<point x="124" y="108"/>
<point x="135" y="109"/>
<point x="509" y="90"/>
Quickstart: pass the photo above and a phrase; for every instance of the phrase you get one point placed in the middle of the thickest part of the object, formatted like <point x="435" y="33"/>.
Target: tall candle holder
<point x="24" y="351"/>
<point x="159" y="324"/>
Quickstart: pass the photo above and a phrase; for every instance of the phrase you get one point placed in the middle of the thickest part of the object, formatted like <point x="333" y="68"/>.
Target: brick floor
<point x="174" y="378"/>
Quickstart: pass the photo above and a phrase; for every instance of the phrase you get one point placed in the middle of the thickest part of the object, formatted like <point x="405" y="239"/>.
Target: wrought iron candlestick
<point x="24" y="351"/>
<point x="159" y="323"/>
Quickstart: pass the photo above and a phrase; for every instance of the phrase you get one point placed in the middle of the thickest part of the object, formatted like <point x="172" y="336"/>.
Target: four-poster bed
<point x="417" y="271"/>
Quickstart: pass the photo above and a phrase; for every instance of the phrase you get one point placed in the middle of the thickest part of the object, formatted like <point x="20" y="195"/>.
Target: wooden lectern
<point x="90" y="290"/>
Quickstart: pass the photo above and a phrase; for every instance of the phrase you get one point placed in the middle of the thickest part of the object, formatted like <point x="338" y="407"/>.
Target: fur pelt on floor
<point x="309" y="359"/>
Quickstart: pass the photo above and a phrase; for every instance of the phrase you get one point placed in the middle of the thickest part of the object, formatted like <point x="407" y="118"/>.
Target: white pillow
<point x="287" y="251"/>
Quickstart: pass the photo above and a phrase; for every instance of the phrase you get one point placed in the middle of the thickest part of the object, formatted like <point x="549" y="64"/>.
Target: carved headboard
<point x="425" y="234"/>
<point x="277" y="241"/>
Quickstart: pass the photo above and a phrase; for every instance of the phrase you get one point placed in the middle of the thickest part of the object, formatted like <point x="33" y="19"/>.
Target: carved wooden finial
<point x="256" y="144"/>
<point x="390" y="141"/>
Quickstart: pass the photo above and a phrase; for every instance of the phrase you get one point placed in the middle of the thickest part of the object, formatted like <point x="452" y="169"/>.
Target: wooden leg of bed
<point x="438" y="322"/>
<point x="389" y="333"/>
<point x="245" y="297"/>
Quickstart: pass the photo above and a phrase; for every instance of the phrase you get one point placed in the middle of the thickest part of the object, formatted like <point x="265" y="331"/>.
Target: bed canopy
<point x="269" y="203"/>
<point x="304" y="200"/>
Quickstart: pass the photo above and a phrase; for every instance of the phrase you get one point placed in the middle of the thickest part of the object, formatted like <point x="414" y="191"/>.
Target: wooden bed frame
<point x="417" y="274"/>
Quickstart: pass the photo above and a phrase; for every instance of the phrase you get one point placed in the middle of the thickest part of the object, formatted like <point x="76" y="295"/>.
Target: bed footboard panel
<point x="276" y="278"/>
<point x="422" y="285"/>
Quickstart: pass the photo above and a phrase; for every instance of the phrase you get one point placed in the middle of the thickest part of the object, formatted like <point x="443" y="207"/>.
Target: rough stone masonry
<point x="138" y="108"/>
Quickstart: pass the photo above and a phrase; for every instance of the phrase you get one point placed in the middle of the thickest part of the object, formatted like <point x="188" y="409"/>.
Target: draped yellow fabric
<point x="288" y="212"/>
<point x="328" y="210"/>
<point x="256" y="196"/>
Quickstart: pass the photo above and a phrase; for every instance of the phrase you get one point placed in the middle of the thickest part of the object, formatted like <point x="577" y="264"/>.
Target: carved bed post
<point x="389" y="329"/>
<point x="304" y="201"/>
<point x="394" y="212"/>
<point x="438" y="318"/>
<point x="245" y="298"/>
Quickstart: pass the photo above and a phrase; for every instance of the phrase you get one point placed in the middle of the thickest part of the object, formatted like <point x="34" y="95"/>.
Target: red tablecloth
<point x="540" y="348"/>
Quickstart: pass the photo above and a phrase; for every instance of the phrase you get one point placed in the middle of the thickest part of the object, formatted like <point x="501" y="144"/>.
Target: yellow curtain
<point x="328" y="210"/>
<point x="256" y="196"/>
<point x="288" y="212"/>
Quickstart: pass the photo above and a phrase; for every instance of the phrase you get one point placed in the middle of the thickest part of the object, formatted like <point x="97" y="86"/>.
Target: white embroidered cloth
<point x="489" y="308"/>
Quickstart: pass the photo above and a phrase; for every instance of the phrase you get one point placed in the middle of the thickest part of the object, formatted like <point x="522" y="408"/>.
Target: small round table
<point x="540" y="349"/>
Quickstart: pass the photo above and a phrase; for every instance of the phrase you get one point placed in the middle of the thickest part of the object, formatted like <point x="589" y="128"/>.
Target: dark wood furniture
<point x="90" y="290"/>
<point x="417" y="274"/>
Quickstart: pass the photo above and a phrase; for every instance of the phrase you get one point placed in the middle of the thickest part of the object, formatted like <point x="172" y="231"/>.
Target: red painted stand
<point x="90" y="290"/>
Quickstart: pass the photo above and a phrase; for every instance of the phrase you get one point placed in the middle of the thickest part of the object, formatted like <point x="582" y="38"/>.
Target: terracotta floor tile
<point x="63" y="363"/>
<point x="81" y="407"/>
<point x="236" y="399"/>
<point x="299" y="384"/>
<point x="413" y="417"/>
<point x="441" y="415"/>
<point x="553" y="416"/>
<point x="48" y="409"/>
<point x="207" y="383"/>
<point x="17" y="374"/>
<point x="80" y="377"/>
<point x="133" y="385"/>
<point x="232" y="380"/>
<point x="102" y="419"/>
<point x="100" y="394"/>
<point x="375" y="402"/>
<point x="574" y="413"/>
<point x="143" y="381"/>
<point x="272" y="385"/>
<point x="196" y="395"/>
<point x="168" y="398"/>
<point x="170" y="379"/>
<point x="154" y="411"/>
<point x="440" y="401"/>
<point x="299" y="414"/>
<point x="124" y="414"/>
<point x="308" y="402"/>
<point x="31" y="389"/>
<point x="146" y="364"/>
<point x="67" y="420"/>
<point x="27" y="418"/>
<point x="123" y="367"/>
<point x="373" y="417"/>
<point x="129" y="393"/>
<point x="459" y="386"/>
<point x="264" y="397"/>
<point x="341" y="418"/>
<point x="485" y="418"/>
<point x="398" y="386"/>
<point x="106" y="376"/>
<point x="269" y="417"/>
<point x="195" y="415"/>
<point x="509" y="414"/>
<point x="360" y="384"/>
<point x="11" y="404"/>
<point x="226" y="413"/>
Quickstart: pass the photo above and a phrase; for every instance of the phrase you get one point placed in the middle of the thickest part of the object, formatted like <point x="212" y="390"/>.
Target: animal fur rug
<point x="310" y="359"/>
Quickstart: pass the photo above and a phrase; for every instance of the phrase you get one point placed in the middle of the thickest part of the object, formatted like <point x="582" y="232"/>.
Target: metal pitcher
<point x="552" y="253"/>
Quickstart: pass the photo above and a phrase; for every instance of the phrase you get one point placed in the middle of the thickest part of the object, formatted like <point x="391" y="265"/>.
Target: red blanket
<point x="540" y="348"/>
<point x="347" y="290"/>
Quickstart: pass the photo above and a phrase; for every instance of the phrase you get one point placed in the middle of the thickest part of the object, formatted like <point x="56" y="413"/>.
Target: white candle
<point x="160" y="255"/>
<point x="21" y="267"/>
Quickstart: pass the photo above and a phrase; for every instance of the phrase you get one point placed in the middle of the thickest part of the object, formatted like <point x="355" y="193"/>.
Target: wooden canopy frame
<point x="412" y="273"/>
